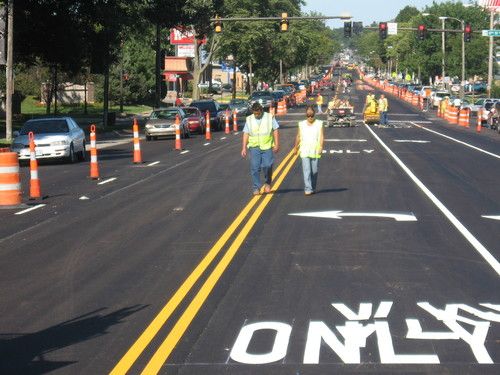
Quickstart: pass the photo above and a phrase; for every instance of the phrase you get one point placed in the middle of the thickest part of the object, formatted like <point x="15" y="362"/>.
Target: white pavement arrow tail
<point x="492" y="217"/>
<point x="340" y="214"/>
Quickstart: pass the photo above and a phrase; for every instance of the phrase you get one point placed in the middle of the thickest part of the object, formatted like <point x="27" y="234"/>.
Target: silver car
<point x="55" y="137"/>
<point x="161" y="123"/>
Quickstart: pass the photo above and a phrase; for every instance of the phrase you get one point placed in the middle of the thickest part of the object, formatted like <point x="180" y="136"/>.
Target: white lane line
<point x="223" y="138"/>
<point x="206" y="144"/>
<point x="410" y="141"/>
<point x="492" y="217"/>
<point x="461" y="228"/>
<point x="184" y="152"/>
<point x="30" y="209"/>
<point x="344" y="140"/>
<point x="107" y="181"/>
<point x="153" y="163"/>
<point x="458" y="141"/>
<point x="236" y="133"/>
<point x="84" y="198"/>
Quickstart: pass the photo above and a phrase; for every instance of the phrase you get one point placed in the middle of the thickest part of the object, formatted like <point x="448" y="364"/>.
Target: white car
<point x="55" y="137"/>
<point x="437" y="96"/>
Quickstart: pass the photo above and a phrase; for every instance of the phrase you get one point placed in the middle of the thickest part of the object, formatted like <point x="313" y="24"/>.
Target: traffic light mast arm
<point x="279" y="18"/>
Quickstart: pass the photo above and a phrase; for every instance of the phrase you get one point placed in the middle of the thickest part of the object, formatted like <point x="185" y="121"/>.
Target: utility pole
<point x="490" y="56"/>
<point x="9" y="70"/>
<point x="281" y="71"/>
<point x="443" y="48"/>
<point x="158" y="65"/>
<point x="250" y="68"/>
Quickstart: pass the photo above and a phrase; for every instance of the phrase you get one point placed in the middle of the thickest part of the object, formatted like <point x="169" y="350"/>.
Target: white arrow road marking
<point x="340" y="214"/>
<point x="344" y="140"/>
<point x="30" y="209"/>
<point x="492" y="217"/>
<point x="411" y="141"/>
<point x="107" y="181"/>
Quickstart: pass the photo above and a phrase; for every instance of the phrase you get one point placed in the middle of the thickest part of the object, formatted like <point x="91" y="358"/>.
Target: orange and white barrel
<point x="94" y="166"/>
<point x="10" y="182"/>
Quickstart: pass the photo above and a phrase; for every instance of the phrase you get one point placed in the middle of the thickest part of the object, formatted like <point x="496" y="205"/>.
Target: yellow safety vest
<point x="260" y="135"/>
<point x="319" y="100"/>
<point x="309" y="139"/>
<point x="383" y="105"/>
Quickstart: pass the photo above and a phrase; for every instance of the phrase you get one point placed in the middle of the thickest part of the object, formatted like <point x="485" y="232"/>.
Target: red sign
<point x="183" y="36"/>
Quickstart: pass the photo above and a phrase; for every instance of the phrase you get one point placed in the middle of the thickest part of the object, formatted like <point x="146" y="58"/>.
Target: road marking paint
<point x="236" y="133"/>
<point x="171" y="341"/>
<point x="30" y="209"/>
<point x="153" y="163"/>
<point x="184" y="152"/>
<point x="107" y="181"/>
<point x="458" y="141"/>
<point x="206" y="144"/>
<point x="131" y="356"/>
<point x="340" y="214"/>
<point x="460" y="227"/>
<point x="493" y="217"/>
<point x="344" y="140"/>
<point x="84" y="198"/>
<point x="411" y="141"/>
<point x="223" y="138"/>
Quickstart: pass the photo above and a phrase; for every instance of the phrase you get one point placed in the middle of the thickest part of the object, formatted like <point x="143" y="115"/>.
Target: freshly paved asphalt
<point x="81" y="280"/>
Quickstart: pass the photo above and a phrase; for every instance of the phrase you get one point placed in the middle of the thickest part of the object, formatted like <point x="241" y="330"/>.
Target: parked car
<point x="278" y="96"/>
<point x="227" y="87"/>
<point x="195" y="120"/>
<point x="161" y="123"/>
<point x="240" y="106"/>
<point x="55" y="137"/>
<point x="213" y="108"/>
<point x="479" y="104"/>
<point x="263" y="97"/>
<point x="437" y="96"/>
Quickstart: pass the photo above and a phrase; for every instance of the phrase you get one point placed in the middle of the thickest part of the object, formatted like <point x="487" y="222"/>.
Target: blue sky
<point x="364" y="10"/>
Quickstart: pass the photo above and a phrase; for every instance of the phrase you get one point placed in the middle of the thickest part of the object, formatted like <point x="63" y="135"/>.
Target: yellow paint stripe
<point x="166" y="348"/>
<point x="128" y="360"/>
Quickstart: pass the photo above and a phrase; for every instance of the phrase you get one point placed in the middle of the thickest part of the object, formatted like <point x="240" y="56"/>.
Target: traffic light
<point x="382" y="30"/>
<point x="421" y="32"/>
<point x="357" y="27"/>
<point x="467" y="32"/>
<point x="218" y="25"/>
<point x="284" y="22"/>
<point x="347" y="29"/>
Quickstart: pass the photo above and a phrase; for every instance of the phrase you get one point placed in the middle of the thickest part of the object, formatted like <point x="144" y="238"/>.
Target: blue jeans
<point x="310" y="171"/>
<point x="383" y="118"/>
<point x="261" y="161"/>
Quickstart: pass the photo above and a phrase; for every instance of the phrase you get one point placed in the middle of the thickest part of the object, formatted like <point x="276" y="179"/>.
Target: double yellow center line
<point x="163" y="352"/>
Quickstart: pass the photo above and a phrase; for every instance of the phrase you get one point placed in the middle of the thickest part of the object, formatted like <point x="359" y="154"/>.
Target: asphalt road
<point x="174" y="268"/>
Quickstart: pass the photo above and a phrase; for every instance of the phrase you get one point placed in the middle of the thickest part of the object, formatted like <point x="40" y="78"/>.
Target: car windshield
<point x="164" y="115"/>
<point x="259" y="94"/>
<point x="488" y="106"/>
<point x="45" y="127"/>
<point x="223" y="107"/>
<point x="238" y="102"/>
<point x="479" y="102"/>
<point x="277" y="95"/>
<point x="441" y="94"/>
<point x="191" y="111"/>
<point x="204" y="106"/>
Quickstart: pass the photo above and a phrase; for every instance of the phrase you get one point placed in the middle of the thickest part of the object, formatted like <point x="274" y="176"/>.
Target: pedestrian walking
<point x="383" y="107"/>
<point x="319" y="103"/>
<point x="309" y="142"/>
<point x="260" y="140"/>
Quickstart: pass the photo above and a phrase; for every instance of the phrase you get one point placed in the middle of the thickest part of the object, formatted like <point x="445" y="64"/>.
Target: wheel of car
<point x="83" y="153"/>
<point x="148" y="137"/>
<point x="72" y="156"/>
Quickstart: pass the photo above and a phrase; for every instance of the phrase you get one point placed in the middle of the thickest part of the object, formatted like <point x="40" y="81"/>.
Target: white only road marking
<point x="458" y="141"/>
<point x="492" y="217"/>
<point x="107" y="181"/>
<point x="206" y="144"/>
<point x="411" y="141"/>
<point x="460" y="227"/>
<point x="344" y="140"/>
<point x="340" y="214"/>
<point x="153" y="163"/>
<point x="236" y="133"/>
<point x="223" y="138"/>
<point x="30" y="209"/>
<point x="184" y="152"/>
<point x="84" y="198"/>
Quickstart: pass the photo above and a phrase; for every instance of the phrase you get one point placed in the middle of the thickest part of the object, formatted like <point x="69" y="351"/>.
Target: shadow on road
<point x="321" y="191"/>
<point x="25" y="353"/>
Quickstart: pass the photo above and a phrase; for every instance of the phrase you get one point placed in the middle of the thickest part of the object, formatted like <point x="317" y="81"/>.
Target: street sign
<point x="392" y="28"/>
<point x="491" y="32"/>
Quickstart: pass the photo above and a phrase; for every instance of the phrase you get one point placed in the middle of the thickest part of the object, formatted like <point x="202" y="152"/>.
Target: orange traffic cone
<point x="178" y="142"/>
<point x="137" y="144"/>
<point x="34" y="180"/>
<point x="235" y="121"/>
<point x="227" y="129"/>
<point x="479" y="120"/>
<point x="463" y="118"/>
<point x="208" y="133"/>
<point x="94" y="167"/>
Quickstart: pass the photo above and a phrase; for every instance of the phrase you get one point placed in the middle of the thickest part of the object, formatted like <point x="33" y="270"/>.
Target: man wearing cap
<point x="260" y="140"/>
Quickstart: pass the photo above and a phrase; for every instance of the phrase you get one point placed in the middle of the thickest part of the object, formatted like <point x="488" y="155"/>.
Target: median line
<point x="133" y="353"/>
<point x="177" y="332"/>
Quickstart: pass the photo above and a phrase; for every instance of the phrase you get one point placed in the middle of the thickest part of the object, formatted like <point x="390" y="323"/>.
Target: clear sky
<point x="366" y="11"/>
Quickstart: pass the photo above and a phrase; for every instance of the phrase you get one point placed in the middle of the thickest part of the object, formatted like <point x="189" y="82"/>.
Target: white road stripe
<point x="107" y="181"/>
<point x="492" y="217"/>
<point x="184" y="152"/>
<point x="458" y="141"/>
<point x="461" y="228"/>
<point x="344" y="140"/>
<point x="410" y="141"/>
<point x="30" y="209"/>
<point x="153" y="163"/>
<point x="206" y="144"/>
<point x="223" y="138"/>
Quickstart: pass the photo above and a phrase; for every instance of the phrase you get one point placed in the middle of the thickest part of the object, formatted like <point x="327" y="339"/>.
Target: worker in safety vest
<point x="260" y="139"/>
<point x="371" y="104"/>
<point x="319" y="102"/>
<point x="383" y="107"/>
